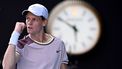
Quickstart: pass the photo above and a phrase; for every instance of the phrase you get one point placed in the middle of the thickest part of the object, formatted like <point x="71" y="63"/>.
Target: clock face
<point x="76" y="24"/>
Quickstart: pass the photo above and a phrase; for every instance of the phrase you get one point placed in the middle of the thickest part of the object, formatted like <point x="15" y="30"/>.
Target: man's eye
<point x="34" y="19"/>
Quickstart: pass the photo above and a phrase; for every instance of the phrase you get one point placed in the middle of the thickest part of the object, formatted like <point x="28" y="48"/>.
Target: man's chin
<point x="29" y="32"/>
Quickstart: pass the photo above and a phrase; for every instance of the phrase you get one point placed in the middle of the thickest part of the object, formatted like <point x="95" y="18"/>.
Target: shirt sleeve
<point x="20" y="45"/>
<point x="18" y="48"/>
<point x="64" y="57"/>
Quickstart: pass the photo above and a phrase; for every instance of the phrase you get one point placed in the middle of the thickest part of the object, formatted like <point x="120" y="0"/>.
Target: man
<point x="37" y="50"/>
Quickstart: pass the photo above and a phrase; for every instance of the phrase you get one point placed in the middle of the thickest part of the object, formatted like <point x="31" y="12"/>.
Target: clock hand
<point x="74" y="27"/>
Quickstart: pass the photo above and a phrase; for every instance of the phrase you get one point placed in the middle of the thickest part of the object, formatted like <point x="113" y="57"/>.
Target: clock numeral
<point x="84" y="13"/>
<point x="90" y="20"/>
<point x="93" y="29"/>
<point x="74" y="11"/>
<point x="90" y="38"/>
<point x="74" y="47"/>
<point x="65" y="13"/>
<point x="83" y="44"/>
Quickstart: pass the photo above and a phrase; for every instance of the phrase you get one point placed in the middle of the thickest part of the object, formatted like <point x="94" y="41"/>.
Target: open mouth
<point x="29" y="27"/>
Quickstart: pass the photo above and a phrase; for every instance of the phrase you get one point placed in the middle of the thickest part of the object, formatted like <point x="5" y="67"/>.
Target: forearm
<point x="64" y="66"/>
<point x="9" y="58"/>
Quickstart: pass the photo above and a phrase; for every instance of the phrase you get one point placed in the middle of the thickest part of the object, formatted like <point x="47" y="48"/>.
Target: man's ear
<point x="45" y="22"/>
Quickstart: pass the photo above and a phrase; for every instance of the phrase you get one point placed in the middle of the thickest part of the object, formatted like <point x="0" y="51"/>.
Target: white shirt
<point x="41" y="56"/>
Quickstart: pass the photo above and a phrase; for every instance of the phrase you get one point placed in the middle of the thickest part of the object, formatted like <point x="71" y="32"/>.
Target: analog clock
<point x="77" y="24"/>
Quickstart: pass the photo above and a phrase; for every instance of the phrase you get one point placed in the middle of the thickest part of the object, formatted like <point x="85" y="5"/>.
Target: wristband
<point x="14" y="38"/>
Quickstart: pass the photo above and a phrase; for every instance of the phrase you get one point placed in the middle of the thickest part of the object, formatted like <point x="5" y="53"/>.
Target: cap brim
<point x="24" y="13"/>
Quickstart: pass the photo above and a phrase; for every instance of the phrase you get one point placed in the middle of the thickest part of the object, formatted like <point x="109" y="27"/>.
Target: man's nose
<point x="29" y="22"/>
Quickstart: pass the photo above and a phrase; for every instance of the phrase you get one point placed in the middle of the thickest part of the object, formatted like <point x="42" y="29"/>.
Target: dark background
<point x="105" y="55"/>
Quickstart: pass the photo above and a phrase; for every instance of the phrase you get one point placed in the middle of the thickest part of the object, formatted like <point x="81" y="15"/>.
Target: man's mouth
<point x="29" y="27"/>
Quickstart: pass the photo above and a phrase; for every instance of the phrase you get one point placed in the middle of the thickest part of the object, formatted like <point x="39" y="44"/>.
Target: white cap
<point x="38" y="10"/>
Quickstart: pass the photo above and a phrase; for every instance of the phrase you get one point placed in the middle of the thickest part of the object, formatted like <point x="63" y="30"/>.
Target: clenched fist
<point x="19" y="27"/>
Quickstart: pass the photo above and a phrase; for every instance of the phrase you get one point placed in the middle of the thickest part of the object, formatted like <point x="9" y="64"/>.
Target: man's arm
<point x="64" y="66"/>
<point x="11" y="57"/>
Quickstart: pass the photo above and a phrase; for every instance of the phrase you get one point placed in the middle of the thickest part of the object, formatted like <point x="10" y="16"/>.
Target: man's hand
<point x="16" y="33"/>
<point x="19" y="27"/>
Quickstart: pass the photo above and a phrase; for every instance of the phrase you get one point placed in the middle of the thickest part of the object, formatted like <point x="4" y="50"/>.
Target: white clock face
<point x="77" y="26"/>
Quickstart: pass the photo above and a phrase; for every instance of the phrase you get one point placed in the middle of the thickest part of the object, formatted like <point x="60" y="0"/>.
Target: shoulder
<point x="59" y="41"/>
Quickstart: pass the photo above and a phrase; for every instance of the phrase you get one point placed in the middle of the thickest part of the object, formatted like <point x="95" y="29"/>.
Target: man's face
<point x="34" y="23"/>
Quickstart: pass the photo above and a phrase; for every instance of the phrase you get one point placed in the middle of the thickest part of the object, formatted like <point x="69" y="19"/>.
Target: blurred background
<point x="105" y="55"/>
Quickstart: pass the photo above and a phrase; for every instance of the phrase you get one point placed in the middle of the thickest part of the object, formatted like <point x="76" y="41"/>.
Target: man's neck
<point x="40" y="37"/>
